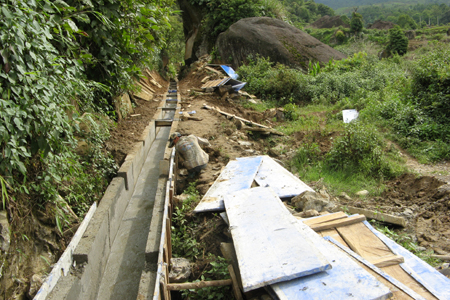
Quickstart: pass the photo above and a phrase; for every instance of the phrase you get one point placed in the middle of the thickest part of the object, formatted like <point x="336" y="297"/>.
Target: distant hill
<point x="335" y="4"/>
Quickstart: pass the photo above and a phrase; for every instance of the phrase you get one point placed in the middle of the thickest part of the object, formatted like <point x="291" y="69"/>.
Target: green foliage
<point x="290" y="112"/>
<point x="218" y="271"/>
<point x="398" y="42"/>
<point x="340" y="36"/>
<point x="219" y="15"/>
<point x="360" y="149"/>
<point x="406" y="241"/>
<point x="184" y="243"/>
<point x="356" y="23"/>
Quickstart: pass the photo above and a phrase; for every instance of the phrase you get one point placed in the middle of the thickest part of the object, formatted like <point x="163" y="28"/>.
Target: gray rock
<point x="309" y="213"/>
<point x="35" y="284"/>
<point x="344" y="196"/>
<point x="244" y="143"/>
<point x="310" y="200"/>
<point x="275" y="39"/>
<point x="5" y="237"/>
<point x="362" y="193"/>
<point x="180" y="271"/>
<point x="408" y="212"/>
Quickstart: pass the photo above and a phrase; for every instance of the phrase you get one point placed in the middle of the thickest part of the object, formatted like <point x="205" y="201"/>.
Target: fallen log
<point x="442" y="257"/>
<point x="234" y="116"/>
<point x="197" y="285"/>
<point x="378" y="216"/>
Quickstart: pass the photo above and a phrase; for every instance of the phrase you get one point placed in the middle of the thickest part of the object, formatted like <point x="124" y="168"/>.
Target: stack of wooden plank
<point x="334" y="256"/>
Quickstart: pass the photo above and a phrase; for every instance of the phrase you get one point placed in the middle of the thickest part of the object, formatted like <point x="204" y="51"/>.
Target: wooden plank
<point x="334" y="234"/>
<point x="378" y="216"/>
<point x="388" y="261"/>
<point x="398" y="273"/>
<point x="268" y="245"/>
<point x="283" y="182"/>
<point x="338" y="223"/>
<point x="345" y="280"/>
<point x="237" y="175"/>
<point x="401" y="285"/>
<point x="325" y="218"/>
<point x="234" y="116"/>
<point x="431" y="279"/>
<point x="235" y="286"/>
<point x="229" y="253"/>
<point x="361" y="240"/>
<point x="163" y="123"/>
<point x="197" y="285"/>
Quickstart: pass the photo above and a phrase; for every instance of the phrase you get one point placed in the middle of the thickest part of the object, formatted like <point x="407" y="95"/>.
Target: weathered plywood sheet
<point x="436" y="283"/>
<point x="237" y="175"/>
<point x="361" y="240"/>
<point x="345" y="280"/>
<point x="283" y="182"/>
<point x="215" y="83"/>
<point x="325" y="218"/>
<point x="269" y="246"/>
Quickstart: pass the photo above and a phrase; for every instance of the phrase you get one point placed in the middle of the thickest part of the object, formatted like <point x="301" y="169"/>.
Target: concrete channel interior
<point x="121" y="241"/>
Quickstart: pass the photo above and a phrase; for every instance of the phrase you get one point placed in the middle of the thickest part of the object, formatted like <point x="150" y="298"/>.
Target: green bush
<point x="398" y="42"/>
<point x="359" y="149"/>
<point x="340" y="36"/>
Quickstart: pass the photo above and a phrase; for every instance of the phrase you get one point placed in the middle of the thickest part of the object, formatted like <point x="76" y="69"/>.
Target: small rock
<point x="420" y="248"/>
<point x="309" y="213"/>
<point x="35" y="284"/>
<point x="408" y="212"/>
<point x="344" y="196"/>
<point x="5" y="237"/>
<point x="183" y="172"/>
<point x="362" y="193"/>
<point x="253" y="101"/>
<point x="180" y="271"/>
<point x="245" y="143"/>
<point x="228" y="131"/>
<point x="274" y="152"/>
<point x="179" y="199"/>
<point x="310" y="200"/>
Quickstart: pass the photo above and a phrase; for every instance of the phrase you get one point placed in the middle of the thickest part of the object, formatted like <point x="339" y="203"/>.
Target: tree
<point x="406" y="22"/>
<point x="398" y="42"/>
<point x="356" y="24"/>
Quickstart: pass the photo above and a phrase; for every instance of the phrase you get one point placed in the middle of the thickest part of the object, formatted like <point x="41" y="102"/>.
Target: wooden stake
<point x="198" y="285"/>
<point x="235" y="285"/>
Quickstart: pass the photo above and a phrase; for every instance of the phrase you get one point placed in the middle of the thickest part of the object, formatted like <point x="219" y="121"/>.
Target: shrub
<point x="398" y="42"/>
<point x="359" y="149"/>
<point x="340" y="36"/>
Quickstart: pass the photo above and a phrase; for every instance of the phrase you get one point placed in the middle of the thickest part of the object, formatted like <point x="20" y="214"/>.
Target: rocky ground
<point x="422" y="197"/>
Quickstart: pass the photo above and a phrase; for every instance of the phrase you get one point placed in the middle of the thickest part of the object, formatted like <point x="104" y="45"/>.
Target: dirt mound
<point x="424" y="202"/>
<point x="329" y="22"/>
<point x="272" y="38"/>
<point x="384" y="25"/>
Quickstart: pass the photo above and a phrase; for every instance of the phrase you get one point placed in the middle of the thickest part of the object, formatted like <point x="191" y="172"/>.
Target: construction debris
<point x="379" y="216"/>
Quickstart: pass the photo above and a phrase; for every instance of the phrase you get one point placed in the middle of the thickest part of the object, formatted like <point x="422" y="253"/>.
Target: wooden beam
<point x="388" y="261"/>
<point x="163" y="123"/>
<point x="198" y="285"/>
<point x="235" y="286"/>
<point x="338" y="223"/>
<point x="379" y="216"/>
<point x="326" y="218"/>
<point x="442" y="257"/>
<point x="234" y="116"/>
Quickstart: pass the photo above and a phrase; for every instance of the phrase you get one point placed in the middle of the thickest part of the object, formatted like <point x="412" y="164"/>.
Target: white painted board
<point x="237" y="175"/>
<point x="345" y="280"/>
<point x="283" y="182"/>
<point x="269" y="246"/>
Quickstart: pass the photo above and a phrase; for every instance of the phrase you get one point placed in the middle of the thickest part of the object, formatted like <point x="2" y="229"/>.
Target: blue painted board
<point x="345" y="280"/>
<point x="436" y="283"/>
<point x="230" y="72"/>
<point x="237" y="175"/>
<point x="283" y="182"/>
<point x="268" y="244"/>
<point x="377" y="270"/>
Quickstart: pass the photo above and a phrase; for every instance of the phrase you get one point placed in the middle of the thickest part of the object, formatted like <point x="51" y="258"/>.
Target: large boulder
<point x="383" y="25"/>
<point x="272" y="38"/>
